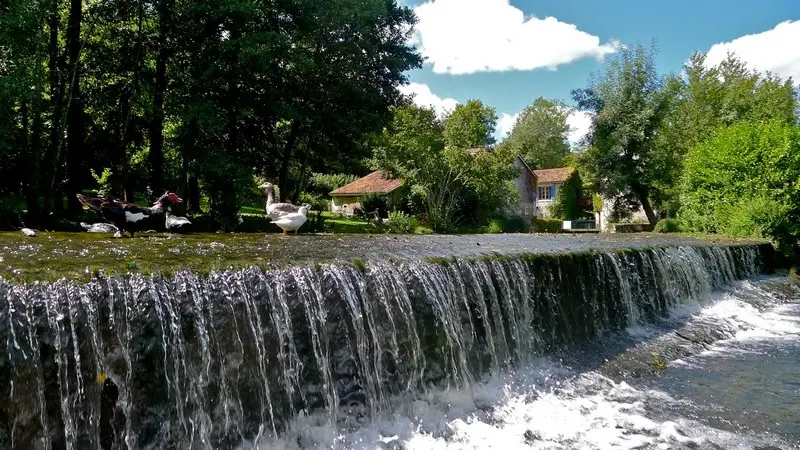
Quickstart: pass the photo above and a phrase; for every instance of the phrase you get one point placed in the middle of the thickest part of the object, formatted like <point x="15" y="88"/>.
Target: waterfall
<point x="211" y="362"/>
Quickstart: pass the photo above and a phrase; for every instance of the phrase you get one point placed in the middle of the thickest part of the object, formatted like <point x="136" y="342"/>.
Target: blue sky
<point x="508" y="52"/>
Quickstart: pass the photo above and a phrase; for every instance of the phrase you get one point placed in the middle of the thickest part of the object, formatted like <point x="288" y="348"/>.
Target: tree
<point x="470" y="125"/>
<point x="630" y="102"/>
<point x="744" y="182"/>
<point x="708" y="98"/>
<point x="197" y="97"/>
<point x="453" y="185"/>
<point x="540" y="134"/>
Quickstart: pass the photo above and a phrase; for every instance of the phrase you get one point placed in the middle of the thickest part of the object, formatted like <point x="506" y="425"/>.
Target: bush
<point x="401" y="223"/>
<point x="668" y="226"/>
<point x="567" y="205"/>
<point x="317" y="202"/>
<point x="742" y="182"/>
<point x="547" y="225"/>
<point x="514" y="224"/>
<point x="495" y="226"/>
<point x="372" y="202"/>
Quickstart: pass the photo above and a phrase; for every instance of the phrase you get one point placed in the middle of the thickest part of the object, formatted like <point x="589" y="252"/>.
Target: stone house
<point x="347" y="199"/>
<point x="537" y="189"/>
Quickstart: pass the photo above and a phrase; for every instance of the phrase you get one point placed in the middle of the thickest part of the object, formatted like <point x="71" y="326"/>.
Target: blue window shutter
<point x="552" y="192"/>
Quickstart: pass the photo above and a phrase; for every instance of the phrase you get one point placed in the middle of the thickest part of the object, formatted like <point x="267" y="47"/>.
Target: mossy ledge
<point x="82" y="256"/>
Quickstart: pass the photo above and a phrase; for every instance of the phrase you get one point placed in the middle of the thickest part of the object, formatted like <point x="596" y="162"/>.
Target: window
<point x="545" y="193"/>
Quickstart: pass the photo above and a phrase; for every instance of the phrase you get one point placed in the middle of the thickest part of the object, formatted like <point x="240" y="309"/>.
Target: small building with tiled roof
<point x="347" y="199"/>
<point x="537" y="189"/>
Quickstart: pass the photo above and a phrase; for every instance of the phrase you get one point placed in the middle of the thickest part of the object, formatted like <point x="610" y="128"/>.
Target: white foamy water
<point x="548" y="406"/>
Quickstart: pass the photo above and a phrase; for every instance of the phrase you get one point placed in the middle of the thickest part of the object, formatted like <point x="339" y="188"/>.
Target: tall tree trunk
<point x="57" y="104"/>
<point x="643" y="194"/>
<point x="187" y="154"/>
<point x="24" y="146"/>
<point x="286" y="159"/>
<point x="75" y="136"/>
<point x="301" y="181"/>
<point x="35" y="176"/>
<point x="156" y="155"/>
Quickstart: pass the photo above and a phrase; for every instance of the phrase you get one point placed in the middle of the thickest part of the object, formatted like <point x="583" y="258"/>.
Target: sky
<point x="506" y="53"/>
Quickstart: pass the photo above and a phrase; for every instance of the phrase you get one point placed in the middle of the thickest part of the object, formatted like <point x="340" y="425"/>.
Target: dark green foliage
<point x="323" y="184"/>
<point x="401" y="223"/>
<point x="315" y="223"/>
<point x="630" y="102"/>
<point x="194" y="97"/>
<point x="547" y="225"/>
<point x="374" y="202"/>
<point x="567" y="205"/>
<point x="743" y="182"/>
<point x="540" y="134"/>
<point x="668" y="226"/>
<point x="514" y="224"/>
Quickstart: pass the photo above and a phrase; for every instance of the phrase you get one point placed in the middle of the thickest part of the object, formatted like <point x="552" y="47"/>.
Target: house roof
<point x="557" y="175"/>
<point x="375" y="183"/>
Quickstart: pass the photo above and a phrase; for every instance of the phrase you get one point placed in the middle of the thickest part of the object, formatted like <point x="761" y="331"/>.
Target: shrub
<point x="401" y="223"/>
<point x="547" y="225"/>
<point x="495" y="226"/>
<point x="315" y="223"/>
<point x="514" y="224"/>
<point x="372" y="202"/>
<point x="567" y="202"/>
<point x="742" y="181"/>
<point x="103" y="181"/>
<point x="317" y="202"/>
<point x="668" y="226"/>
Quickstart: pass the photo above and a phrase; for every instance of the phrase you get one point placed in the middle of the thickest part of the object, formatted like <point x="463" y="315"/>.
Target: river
<point x="741" y="392"/>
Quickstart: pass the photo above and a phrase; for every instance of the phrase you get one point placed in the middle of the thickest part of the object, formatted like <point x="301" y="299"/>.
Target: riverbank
<point x="78" y="256"/>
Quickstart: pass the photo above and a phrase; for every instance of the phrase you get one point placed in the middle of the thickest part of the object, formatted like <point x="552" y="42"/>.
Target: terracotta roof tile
<point x="557" y="175"/>
<point x="375" y="183"/>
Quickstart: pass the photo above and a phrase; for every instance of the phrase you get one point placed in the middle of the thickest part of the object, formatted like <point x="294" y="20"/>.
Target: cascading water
<point x="213" y="362"/>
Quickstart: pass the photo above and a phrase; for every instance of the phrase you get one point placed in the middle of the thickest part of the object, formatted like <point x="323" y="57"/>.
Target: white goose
<point x="276" y="210"/>
<point x="99" y="227"/>
<point x="177" y="224"/>
<point x="293" y="221"/>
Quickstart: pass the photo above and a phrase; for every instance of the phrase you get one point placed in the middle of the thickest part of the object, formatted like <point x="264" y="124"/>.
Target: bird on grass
<point x="131" y="218"/>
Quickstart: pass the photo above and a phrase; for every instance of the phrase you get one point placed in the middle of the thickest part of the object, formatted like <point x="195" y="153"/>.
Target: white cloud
<point x="468" y="36"/>
<point x="423" y="96"/>
<point x="774" y="50"/>
<point x="579" y="123"/>
<point x="505" y="124"/>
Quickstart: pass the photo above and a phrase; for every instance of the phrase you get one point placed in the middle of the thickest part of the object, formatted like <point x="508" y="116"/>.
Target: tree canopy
<point x="540" y="134"/>
<point x="470" y="125"/>
<point x="192" y="96"/>
<point x="630" y="102"/>
<point x="745" y="181"/>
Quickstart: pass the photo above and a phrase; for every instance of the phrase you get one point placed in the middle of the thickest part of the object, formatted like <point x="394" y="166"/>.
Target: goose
<point x="99" y="227"/>
<point x="293" y="221"/>
<point x="178" y="224"/>
<point x="276" y="210"/>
